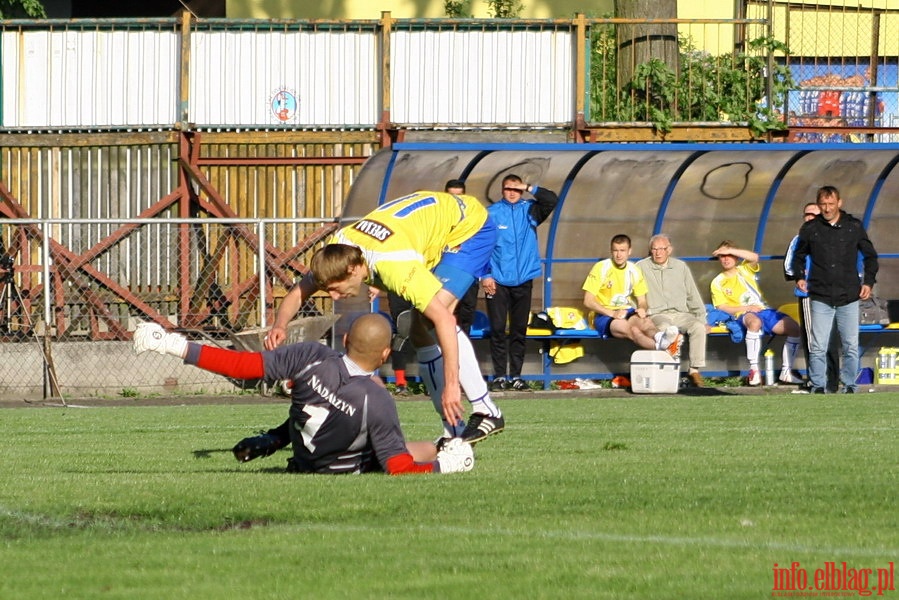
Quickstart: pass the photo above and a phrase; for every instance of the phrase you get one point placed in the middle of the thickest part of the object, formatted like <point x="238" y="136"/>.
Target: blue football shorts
<point x="603" y="324"/>
<point x="461" y="266"/>
<point x="769" y="317"/>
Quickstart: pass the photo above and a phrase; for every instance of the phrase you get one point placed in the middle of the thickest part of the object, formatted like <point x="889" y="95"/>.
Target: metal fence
<point x="216" y="73"/>
<point x="818" y="64"/>
<point x="73" y="290"/>
<point x="166" y="174"/>
<point x="843" y="59"/>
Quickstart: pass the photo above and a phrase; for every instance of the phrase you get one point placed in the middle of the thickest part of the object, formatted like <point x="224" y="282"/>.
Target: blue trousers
<point x="824" y="318"/>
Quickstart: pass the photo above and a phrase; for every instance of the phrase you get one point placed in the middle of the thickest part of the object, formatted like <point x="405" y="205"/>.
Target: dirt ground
<point x="9" y="402"/>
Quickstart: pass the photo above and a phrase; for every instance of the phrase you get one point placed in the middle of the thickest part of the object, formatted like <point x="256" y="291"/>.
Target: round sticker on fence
<point x="284" y="105"/>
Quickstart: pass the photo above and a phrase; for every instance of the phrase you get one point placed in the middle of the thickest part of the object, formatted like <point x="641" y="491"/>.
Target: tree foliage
<point x="504" y="9"/>
<point x="498" y="9"/>
<point x="22" y="9"/>
<point x="728" y="88"/>
<point x="457" y="9"/>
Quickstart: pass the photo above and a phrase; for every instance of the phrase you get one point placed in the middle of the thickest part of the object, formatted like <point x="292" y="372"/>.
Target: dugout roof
<point x="699" y="194"/>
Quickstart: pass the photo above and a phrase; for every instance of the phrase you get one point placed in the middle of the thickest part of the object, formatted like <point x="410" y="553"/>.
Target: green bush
<point x="727" y="88"/>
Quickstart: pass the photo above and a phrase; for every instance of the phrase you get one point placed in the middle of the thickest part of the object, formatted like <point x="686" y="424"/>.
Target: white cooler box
<point x="654" y="372"/>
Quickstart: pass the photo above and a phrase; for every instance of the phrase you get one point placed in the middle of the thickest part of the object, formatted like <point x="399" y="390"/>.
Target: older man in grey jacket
<point x="674" y="300"/>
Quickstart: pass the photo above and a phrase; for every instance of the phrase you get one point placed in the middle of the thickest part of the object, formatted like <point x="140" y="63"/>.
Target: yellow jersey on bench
<point x="615" y="288"/>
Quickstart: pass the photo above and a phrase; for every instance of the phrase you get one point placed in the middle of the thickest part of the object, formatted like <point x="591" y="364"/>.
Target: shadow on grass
<point x="208" y="453"/>
<point x="705" y="391"/>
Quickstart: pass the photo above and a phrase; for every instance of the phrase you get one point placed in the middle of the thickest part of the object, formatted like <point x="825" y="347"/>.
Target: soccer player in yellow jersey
<point x="736" y="292"/>
<point x="427" y="247"/>
<point x="616" y="291"/>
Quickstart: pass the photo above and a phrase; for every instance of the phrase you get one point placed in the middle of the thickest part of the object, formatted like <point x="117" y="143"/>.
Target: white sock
<point x="753" y="347"/>
<point x="659" y="337"/>
<point x="472" y="381"/>
<point x="789" y="353"/>
<point x="430" y="369"/>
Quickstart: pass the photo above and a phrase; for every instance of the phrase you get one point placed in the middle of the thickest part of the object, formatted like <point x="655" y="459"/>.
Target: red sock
<point x="400" y="376"/>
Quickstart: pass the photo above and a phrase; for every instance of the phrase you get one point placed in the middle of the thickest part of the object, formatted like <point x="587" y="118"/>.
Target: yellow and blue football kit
<point x="739" y="289"/>
<point x="615" y="288"/>
<point x="403" y="241"/>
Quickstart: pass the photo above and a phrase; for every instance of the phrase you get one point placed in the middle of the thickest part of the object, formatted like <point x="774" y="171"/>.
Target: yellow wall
<point x="705" y="9"/>
<point x="820" y="31"/>
<point x="532" y="9"/>
<point x="712" y="38"/>
<point x="402" y="9"/>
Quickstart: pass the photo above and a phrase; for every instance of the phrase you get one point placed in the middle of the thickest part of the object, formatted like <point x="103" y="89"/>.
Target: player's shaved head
<point x="368" y="339"/>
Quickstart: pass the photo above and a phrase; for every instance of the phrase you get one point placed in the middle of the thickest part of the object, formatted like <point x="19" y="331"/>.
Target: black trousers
<point x="398" y="304"/>
<point x="510" y="304"/>
<point x="466" y="308"/>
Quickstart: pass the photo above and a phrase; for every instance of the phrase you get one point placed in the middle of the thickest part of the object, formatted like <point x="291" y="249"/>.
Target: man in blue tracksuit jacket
<point x="513" y="266"/>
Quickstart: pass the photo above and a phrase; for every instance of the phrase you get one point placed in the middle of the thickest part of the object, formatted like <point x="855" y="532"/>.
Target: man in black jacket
<point x="834" y="241"/>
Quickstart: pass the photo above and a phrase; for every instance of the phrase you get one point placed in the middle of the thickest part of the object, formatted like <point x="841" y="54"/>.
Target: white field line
<point x="566" y="535"/>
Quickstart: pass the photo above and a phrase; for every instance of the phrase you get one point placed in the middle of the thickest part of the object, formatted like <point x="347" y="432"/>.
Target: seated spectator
<point x="674" y="300"/>
<point x="736" y="292"/>
<point x="616" y="291"/>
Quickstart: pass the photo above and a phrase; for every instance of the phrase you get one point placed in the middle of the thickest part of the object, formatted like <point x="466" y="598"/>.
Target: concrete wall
<point x="100" y="369"/>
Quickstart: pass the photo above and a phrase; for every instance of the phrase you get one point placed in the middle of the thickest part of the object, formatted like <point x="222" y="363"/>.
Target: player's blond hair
<point x="334" y="262"/>
<point x="726" y="244"/>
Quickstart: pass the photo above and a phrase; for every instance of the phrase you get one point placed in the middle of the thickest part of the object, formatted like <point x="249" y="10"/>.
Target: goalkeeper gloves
<point x="151" y="336"/>
<point x="264" y="444"/>
<point x="455" y="457"/>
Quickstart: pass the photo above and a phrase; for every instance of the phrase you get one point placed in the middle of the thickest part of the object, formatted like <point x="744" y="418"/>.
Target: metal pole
<point x="875" y="56"/>
<point x="260" y="252"/>
<point x="770" y="75"/>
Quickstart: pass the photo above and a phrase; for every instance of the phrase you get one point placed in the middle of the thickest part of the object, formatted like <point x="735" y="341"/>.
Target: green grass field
<point x="627" y="497"/>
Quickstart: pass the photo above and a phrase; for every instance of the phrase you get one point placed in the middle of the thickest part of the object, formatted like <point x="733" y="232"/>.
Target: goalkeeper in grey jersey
<point x="342" y="419"/>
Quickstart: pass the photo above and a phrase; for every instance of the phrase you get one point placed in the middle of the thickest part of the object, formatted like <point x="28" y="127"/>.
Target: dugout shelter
<point x="698" y="194"/>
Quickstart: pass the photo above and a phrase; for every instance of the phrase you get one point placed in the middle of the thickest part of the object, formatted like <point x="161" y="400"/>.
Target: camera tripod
<point x="16" y="323"/>
<point x="12" y="305"/>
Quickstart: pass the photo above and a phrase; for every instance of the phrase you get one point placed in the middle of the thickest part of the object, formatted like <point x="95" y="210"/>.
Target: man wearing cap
<point x="514" y="264"/>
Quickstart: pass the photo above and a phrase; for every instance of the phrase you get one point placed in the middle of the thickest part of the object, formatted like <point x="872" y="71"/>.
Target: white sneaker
<point x="586" y="384"/>
<point x="755" y="377"/>
<point x="151" y="336"/>
<point x="787" y="376"/>
<point x="668" y="336"/>
<point x="674" y="347"/>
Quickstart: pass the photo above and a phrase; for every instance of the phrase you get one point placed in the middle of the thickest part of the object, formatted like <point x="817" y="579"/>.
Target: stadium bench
<point x="549" y="371"/>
